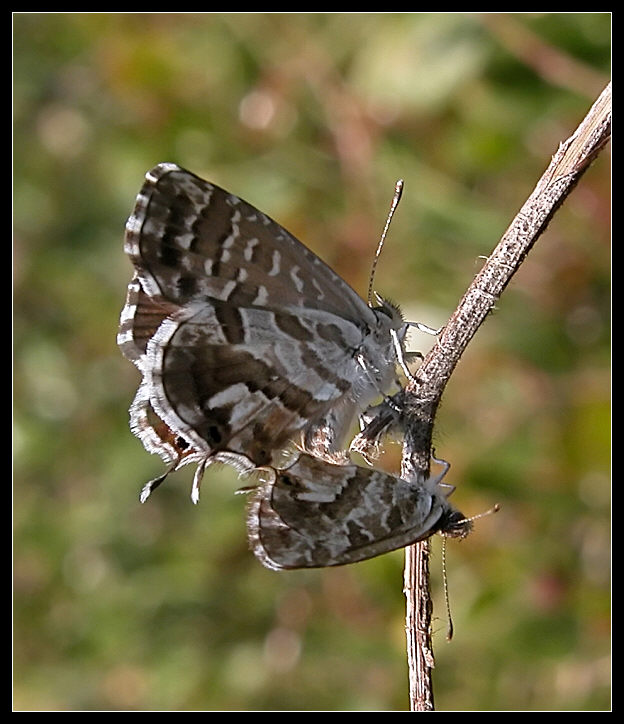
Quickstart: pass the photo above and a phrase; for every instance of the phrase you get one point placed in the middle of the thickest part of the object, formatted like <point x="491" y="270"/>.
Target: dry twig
<point x="423" y="394"/>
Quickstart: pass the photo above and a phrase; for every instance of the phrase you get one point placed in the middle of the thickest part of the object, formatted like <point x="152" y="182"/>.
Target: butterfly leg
<point x="400" y="355"/>
<point x="376" y="422"/>
<point x="427" y="329"/>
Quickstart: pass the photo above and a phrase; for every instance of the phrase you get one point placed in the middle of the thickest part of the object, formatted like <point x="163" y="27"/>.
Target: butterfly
<point x="246" y="341"/>
<point x="314" y="514"/>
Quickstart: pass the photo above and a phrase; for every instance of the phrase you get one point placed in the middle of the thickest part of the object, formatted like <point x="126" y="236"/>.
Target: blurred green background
<point x="312" y="118"/>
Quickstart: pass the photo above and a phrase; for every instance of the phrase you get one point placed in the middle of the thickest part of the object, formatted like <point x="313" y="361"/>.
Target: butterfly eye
<point x="383" y="309"/>
<point x="390" y="310"/>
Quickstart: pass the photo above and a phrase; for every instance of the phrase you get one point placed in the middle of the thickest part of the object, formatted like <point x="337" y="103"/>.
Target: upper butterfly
<point x="246" y="340"/>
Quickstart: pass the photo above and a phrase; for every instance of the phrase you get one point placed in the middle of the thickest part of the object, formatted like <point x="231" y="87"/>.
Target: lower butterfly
<point x="316" y="514"/>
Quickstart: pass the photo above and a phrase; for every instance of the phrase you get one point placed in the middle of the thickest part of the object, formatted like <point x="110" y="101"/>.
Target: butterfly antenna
<point x="398" y="190"/>
<point x="450" y="629"/>
<point x="449" y="618"/>
<point x="493" y="509"/>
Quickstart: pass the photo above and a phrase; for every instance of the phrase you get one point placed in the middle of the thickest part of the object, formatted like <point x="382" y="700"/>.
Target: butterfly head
<point x="390" y="313"/>
<point x="454" y="524"/>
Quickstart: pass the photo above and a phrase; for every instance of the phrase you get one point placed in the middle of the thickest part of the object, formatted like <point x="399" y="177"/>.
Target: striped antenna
<point x="398" y="190"/>
<point x="449" y="618"/>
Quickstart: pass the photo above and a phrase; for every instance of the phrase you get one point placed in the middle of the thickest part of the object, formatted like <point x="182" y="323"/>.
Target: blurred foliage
<point x="311" y="117"/>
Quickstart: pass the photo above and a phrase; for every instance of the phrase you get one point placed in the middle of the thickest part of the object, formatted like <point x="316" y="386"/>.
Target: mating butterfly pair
<point x="248" y="342"/>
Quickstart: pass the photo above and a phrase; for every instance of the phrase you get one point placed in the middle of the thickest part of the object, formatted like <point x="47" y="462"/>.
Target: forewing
<point x="315" y="514"/>
<point x="190" y="239"/>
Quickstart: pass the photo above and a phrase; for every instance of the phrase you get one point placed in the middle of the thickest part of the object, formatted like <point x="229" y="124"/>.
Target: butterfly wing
<point x="315" y="514"/>
<point x="249" y="392"/>
<point x="244" y="336"/>
<point x="190" y="239"/>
